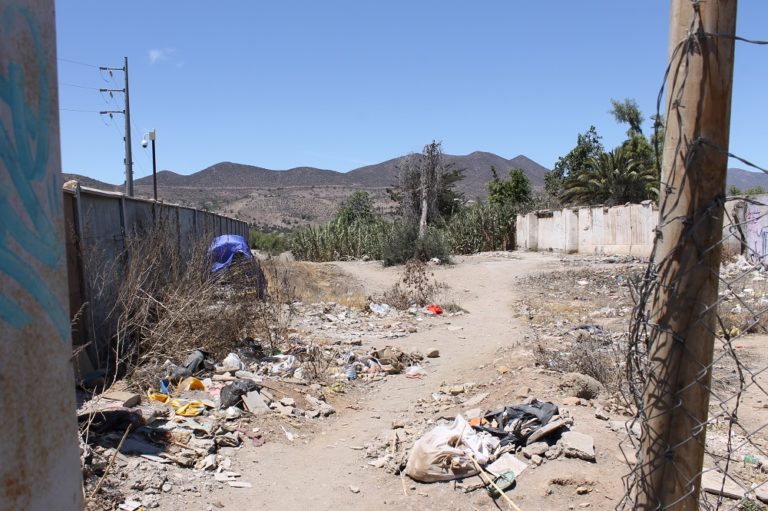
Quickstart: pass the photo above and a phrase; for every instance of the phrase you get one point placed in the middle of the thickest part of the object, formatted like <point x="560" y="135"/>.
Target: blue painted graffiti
<point x="28" y="237"/>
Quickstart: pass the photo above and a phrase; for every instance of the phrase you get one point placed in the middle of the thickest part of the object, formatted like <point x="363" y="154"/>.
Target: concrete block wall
<point x="621" y="230"/>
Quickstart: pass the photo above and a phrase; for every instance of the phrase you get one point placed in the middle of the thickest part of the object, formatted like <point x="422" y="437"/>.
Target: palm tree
<point x="611" y="178"/>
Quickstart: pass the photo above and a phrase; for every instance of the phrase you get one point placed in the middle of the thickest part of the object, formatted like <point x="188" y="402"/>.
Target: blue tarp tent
<point x="223" y="249"/>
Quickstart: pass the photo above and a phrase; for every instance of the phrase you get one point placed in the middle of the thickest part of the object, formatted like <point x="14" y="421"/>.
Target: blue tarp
<point x="224" y="248"/>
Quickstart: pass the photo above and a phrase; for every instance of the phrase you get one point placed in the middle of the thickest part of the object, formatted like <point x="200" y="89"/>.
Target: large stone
<point x="507" y="462"/>
<point x="543" y="432"/>
<point x="254" y="403"/>
<point x="578" y="445"/>
<point x="580" y="385"/>
<point x="535" y="449"/>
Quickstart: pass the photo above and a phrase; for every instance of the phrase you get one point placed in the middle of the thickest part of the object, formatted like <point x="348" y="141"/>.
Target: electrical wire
<point x="78" y="110"/>
<point x="77" y="62"/>
<point x="78" y="86"/>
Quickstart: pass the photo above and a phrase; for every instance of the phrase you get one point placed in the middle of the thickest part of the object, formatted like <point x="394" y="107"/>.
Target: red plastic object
<point x="435" y="309"/>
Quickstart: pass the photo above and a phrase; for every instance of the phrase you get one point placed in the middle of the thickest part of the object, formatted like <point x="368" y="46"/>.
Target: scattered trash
<point x="232" y="394"/>
<point x="190" y="383"/>
<point x="288" y="434"/>
<point x="379" y="308"/>
<point x="415" y="372"/>
<point x="195" y="362"/>
<point x="515" y="424"/>
<point x="434" y="309"/>
<point x="447" y="451"/>
<point x="232" y="363"/>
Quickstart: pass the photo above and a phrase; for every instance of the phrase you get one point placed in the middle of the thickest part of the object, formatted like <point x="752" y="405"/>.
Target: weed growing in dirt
<point x="417" y="286"/>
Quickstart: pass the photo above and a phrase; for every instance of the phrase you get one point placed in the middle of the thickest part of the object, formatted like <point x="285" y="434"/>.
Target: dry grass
<point x="316" y="282"/>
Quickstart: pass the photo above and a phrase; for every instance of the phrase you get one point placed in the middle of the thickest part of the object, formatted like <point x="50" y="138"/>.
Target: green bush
<point x="267" y="242"/>
<point x="404" y="245"/>
<point x="482" y="227"/>
<point x="339" y="240"/>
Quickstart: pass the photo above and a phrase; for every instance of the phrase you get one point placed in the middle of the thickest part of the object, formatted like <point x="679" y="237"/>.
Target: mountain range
<point x="308" y="195"/>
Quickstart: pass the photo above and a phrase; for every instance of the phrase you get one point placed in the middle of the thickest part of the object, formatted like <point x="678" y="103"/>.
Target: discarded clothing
<point x="514" y="424"/>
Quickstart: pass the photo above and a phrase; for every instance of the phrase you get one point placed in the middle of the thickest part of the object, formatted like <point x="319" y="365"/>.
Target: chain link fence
<point x="697" y="360"/>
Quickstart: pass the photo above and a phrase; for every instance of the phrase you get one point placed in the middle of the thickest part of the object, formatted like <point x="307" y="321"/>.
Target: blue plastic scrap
<point x="224" y="248"/>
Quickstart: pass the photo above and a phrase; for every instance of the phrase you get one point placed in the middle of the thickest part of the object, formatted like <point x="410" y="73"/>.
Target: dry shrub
<point x="593" y="355"/>
<point x="169" y="305"/>
<point x="416" y="287"/>
<point x="272" y="317"/>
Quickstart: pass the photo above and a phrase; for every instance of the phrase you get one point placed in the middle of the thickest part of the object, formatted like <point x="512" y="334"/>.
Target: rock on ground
<point x="578" y="445"/>
<point x="580" y="385"/>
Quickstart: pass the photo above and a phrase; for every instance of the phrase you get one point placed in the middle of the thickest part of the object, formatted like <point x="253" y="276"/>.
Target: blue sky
<point x="341" y="84"/>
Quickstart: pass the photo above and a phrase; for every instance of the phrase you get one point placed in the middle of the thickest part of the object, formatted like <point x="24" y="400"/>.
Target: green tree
<point x="612" y="178"/>
<point x="734" y="190"/>
<point x="358" y="207"/>
<point x="513" y="191"/>
<point x="627" y="112"/>
<point x="755" y="190"/>
<point x="568" y="167"/>
<point x="427" y="176"/>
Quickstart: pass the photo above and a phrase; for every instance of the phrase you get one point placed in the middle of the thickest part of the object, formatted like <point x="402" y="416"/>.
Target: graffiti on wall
<point x="30" y="198"/>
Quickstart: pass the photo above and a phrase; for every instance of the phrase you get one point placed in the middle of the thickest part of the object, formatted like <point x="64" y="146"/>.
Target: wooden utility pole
<point x="682" y="316"/>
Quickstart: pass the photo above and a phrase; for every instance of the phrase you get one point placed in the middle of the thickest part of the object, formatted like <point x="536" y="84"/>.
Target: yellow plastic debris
<point x="158" y="396"/>
<point x="192" y="409"/>
<point x="190" y="383"/>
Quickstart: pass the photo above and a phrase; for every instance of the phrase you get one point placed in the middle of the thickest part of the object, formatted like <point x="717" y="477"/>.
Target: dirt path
<point x="316" y="473"/>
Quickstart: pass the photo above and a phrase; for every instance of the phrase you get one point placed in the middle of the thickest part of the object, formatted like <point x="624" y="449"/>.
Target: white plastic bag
<point x="233" y="363"/>
<point x="443" y="453"/>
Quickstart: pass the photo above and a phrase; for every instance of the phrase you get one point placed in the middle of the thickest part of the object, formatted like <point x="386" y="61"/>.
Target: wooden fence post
<point x="682" y="316"/>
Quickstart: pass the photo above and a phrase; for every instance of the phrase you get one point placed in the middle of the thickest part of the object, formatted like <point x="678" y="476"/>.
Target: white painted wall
<point x="624" y="230"/>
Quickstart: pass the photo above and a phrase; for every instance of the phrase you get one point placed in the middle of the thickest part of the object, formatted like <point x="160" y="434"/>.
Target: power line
<point x="78" y="86"/>
<point x="79" y="110"/>
<point x="77" y="62"/>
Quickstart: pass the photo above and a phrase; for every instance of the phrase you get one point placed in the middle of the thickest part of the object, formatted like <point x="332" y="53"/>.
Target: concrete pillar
<point x="571" y="220"/>
<point x="532" y="222"/>
<point x="39" y="456"/>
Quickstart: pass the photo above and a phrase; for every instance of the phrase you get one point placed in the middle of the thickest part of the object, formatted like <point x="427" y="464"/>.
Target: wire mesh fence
<point x="697" y="361"/>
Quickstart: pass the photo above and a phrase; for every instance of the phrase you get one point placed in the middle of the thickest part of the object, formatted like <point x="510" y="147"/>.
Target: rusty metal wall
<point x="39" y="458"/>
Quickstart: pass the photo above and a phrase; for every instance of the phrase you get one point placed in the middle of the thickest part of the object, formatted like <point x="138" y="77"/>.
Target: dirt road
<point x="317" y="473"/>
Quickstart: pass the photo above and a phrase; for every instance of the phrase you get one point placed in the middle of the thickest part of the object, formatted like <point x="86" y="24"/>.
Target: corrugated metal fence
<point x="98" y="223"/>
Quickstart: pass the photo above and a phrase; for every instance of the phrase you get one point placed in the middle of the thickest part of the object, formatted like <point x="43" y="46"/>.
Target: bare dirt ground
<point x="316" y="472"/>
<point x="515" y="302"/>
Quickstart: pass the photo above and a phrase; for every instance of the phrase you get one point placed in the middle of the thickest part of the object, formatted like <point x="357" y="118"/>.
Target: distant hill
<point x="283" y="199"/>
<point x="229" y="175"/>
<point x="745" y="179"/>
<point x="476" y="166"/>
<point x="90" y="182"/>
